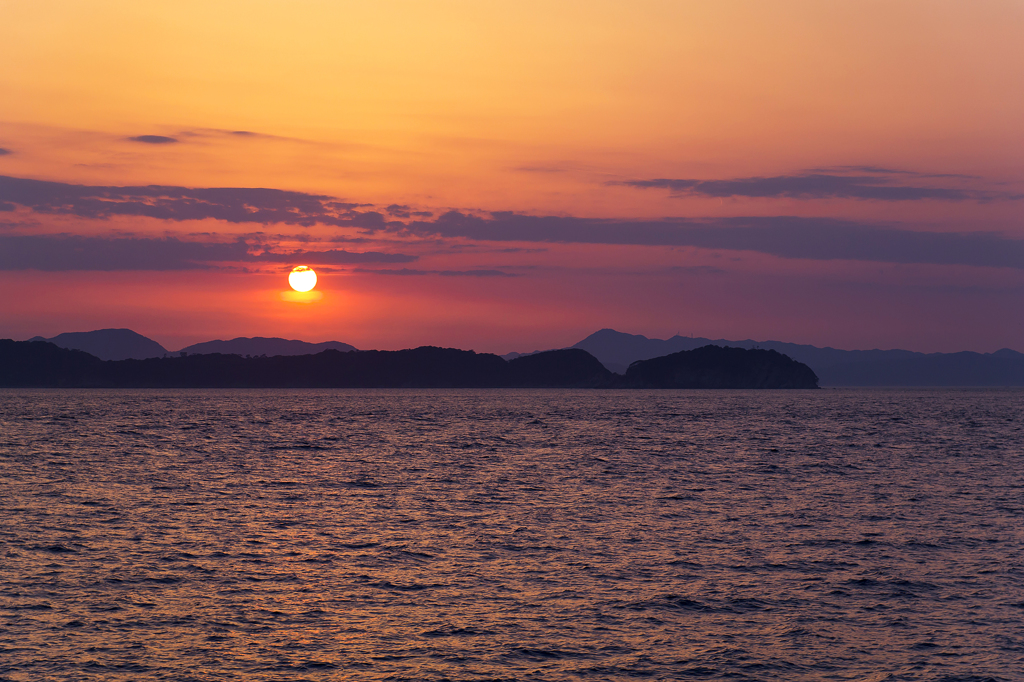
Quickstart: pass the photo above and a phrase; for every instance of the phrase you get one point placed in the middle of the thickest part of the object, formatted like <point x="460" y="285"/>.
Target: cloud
<point x="230" y="204"/>
<point x="153" y="139"/>
<point x="67" y="252"/>
<point x="398" y="210"/>
<point x="237" y="134"/>
<point x="5" y="152"/>
<point x="442" y="273"/>
<point x="784" y="236"/>
<point x="850" y="182"/>
<point x="475" y="273"/>
<point x="881" y="170"/>
<point x="403" y="211"/>
<point x="55" y="253"/>
<point x="335" y="257"/>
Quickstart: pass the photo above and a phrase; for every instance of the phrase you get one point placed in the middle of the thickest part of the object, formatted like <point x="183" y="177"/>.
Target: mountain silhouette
<point x="45" y="365"/>
<point x="259" y="345"/>
<point x="834" y="367"/>
<point x="616" y="351"/>
<point x="109" y="344"/>
<point x="42" y="364"/>
<point x="720" y="367"/>
<point x="566" y="368"/>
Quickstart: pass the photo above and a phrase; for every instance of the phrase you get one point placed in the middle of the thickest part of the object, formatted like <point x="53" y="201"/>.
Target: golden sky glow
<point x="542" y="109"/>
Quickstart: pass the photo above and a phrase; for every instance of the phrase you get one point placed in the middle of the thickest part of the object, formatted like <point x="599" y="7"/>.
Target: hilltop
<point x="259" y="345"/>
<point x="834" y="367"/>
<point x="41" y="364"/>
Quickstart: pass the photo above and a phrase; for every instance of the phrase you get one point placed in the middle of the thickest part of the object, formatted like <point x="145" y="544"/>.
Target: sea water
<point x="511" y="535"/>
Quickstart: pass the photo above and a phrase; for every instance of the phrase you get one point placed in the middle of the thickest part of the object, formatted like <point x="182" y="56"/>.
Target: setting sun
<point x="302" y="278"/>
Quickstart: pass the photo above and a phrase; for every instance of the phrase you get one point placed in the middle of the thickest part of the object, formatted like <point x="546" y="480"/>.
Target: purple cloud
<point x="335" y="257"/>
<point x="442" y="273"/>
<point x="398" y="211"/>
<point x="784" y="236"/>
<point x="71" y="252"/>
<point x="861" y="182"/>
<point x="231" y="204"/>
<point x="153" y="139"/>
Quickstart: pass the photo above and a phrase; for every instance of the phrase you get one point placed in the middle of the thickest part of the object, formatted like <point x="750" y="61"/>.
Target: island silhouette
<point x="125" y="344"/>
<point x="616" y="351"/>
<point x="45" y="365"/>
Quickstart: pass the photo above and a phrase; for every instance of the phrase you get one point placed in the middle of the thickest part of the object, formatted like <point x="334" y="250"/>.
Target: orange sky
<point x="541" y="109"/>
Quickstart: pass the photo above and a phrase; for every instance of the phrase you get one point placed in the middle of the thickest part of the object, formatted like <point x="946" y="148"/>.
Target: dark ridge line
<point x="40" y="364"/>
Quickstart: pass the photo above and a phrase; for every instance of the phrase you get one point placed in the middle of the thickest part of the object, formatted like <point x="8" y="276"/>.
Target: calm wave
<point x="510" y="535"/>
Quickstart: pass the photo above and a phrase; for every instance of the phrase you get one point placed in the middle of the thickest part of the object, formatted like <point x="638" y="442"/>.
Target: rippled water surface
<point x="511" y="535"/>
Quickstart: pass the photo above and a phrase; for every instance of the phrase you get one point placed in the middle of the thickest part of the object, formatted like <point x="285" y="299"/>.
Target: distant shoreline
<point x="616" y="351"/>
<point x="40" y="364"/>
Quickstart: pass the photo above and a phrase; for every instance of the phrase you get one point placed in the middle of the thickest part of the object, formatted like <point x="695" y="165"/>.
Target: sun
<point x="302" y="278"/>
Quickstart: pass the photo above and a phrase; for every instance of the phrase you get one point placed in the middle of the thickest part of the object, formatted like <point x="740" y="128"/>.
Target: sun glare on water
<point x="302" y="278"/>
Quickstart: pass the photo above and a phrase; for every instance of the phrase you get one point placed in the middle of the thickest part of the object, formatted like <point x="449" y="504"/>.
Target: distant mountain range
<point x="124" y="344"/>
<point x="617" y="351"/>
<point x="834" y="367"/>
<point x="109" y="344"/>
<point x="270" y="347"/>
<point x="39" y="364"/>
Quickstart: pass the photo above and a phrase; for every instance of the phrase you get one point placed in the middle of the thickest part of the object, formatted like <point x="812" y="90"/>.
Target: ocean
<point x="511" y="535"/>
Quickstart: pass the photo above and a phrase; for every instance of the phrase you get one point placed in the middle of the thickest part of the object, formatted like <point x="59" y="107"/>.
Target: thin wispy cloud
<point x="848" y="182"/>
<point x="783" y="236"/>
<point x="230" y="204"/>
<point x="153" y="139"/>
<point x="441" y="273"/>
<point x="235" y="134"/>
<point x="881" y="170"/>
<point x="5" y="152"/>
<point x="55" y="253"/>
<point x="335" y="257"/>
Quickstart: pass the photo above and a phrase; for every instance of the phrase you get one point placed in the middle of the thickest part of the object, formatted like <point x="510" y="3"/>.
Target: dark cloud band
<point x="54" y="253"/>
<point x="442" y="273"/>
<point x="153" y="139"/>
<point x="787" y="237"/>
<point x="230" y="204"/>
<point x="876" y="184"/>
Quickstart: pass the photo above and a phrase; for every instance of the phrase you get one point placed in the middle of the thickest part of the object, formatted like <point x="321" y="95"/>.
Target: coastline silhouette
<point x="618" y="350"/>
<point x="43" y="364"/>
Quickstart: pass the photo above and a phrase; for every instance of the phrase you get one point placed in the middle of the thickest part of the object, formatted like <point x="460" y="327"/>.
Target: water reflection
<point x="508" y="534"/>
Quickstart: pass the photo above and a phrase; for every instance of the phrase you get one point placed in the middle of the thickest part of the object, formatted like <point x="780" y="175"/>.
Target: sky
<point x="513" y="176"/>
